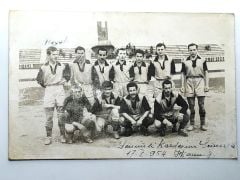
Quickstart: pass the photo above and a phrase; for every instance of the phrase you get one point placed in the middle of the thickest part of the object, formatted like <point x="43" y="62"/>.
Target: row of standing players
<point x="124" y="97"/>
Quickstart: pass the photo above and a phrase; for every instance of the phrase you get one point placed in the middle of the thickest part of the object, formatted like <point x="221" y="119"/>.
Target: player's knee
<point x="202" y="111"/>
<point x="157" y="123"/>
<point x="115" y="115"/>
<point x="100" y="123"/>
<point x="89" y="124"/>
<point x="121" y="120"/>
<point x="92" y="118"/>
<point x="150" y="115"/>
<point x="115" y="111"/>
<point x="188" y="112"/>
<point x="69" y="128"/>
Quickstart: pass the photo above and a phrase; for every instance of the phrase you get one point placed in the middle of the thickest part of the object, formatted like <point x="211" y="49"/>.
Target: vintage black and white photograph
<point x="91" y="85"/>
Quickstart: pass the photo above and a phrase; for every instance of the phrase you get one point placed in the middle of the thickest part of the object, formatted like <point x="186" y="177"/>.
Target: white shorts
<point x="54" y="96"/>
<point x="195" y="87"/>
<point x="120" y="88"/>
<point x="147" y="91"/>
<point x="88" y="91"/>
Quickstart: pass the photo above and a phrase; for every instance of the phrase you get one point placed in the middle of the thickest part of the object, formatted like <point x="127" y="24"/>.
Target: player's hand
<point x="206" y="88"/>
<point x="168" y="77"/>
<point x="182" y="89"/>
<point x="180" y="117"/>
<point x="167" y="123"/>
<point x="67" y="85"/>
<point x="139" y="122"/>
<point x="134" y="123"/>
<point x="99" y="95"/>
<point x="117" y="107"/>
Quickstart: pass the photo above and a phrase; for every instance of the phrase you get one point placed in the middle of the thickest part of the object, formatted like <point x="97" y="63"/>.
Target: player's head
<point x="193" y="49"/>
<point x="80" y="53"/>
<point x="122" y="53"/>
<point x="76" y="91"/>
<point x="139" y="54"/>
<point x="102" y="53"/>
<point x="52" y="53"/>
<point x="132" y="89"/>
<point x="107" y="88"/>
<point x="160" y="49"/>
<point x="167" y="87"/>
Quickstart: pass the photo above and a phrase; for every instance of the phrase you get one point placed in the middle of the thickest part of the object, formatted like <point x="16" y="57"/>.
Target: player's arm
<point x="131" y="73"/>
<point x="183" y="78"/>
<point x="110" y="106"/>
<point x="67" y="72"/>
<point x="40" y="78"/>
<point x="172" y="68"/>
<point x="97" y="106"/>
<point x="147" y="109"/>
<point x="125" y="112"/>
<point x="206" y="76"/>
<point x="182" y="103"/>
<point x="157" y="111"/>
<point x="87" y="103"/>
<point x="129" y="118"/>
<point x="151" y="71"/>
<point x="112" y="74"/>
<point x="143" y="117"/>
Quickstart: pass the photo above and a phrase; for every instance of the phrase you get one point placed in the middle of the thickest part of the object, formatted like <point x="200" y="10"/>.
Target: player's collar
<point x="86" y="61"/>
<point x="163" y="95"/>
<point x="118" y="63"/>
<point x="47" y="63"/>
<point x="136" y="98"/>
<point x="165" y="58"/>
<point x="97" y="63"/>
<point x="143" y="64"/>
<point x="189" y="57"/>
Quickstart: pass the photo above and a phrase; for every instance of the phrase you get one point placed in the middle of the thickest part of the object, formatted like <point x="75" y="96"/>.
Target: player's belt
<point x="159" y="79"/>
<point x="83" y="83"/>
<point x="194" y="77"/>
<point x="141" y="82"/>
<point x="54" y="85"/>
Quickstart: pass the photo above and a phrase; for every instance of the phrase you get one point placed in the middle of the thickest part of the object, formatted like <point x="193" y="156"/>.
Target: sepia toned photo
<point x="121" y="85"/>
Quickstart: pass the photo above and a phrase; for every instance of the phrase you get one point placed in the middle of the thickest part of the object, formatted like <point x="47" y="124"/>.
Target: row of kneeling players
<point x="119" y="116"/>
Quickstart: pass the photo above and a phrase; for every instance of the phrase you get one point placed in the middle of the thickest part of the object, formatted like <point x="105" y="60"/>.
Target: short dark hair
<point x="132" y="84"/>
<point x="107" y="84"/>
<point x="161" y="44"/>
<point x="51" y="49"/>
<point x="192" y="44"/>
<point x="121" y="49"/>
<point x="139" y="51"/>
<point x="79" y="48"/>
<point x="102" y="49"/>
<point x="166" y="82"/>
